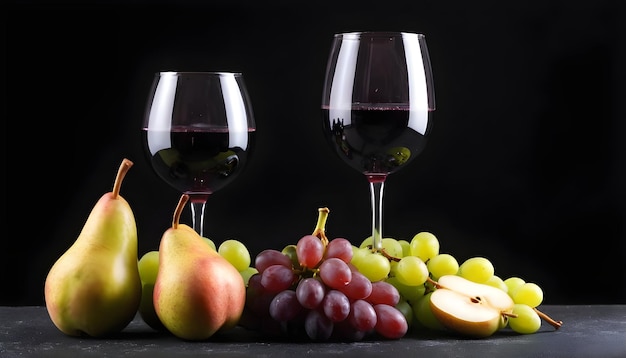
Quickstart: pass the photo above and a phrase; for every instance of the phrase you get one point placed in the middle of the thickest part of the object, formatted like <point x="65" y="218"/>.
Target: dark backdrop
<point x="525" y="165"/>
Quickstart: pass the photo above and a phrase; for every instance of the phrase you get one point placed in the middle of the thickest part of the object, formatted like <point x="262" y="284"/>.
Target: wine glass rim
<point x="358" y="34"/>
<point x="205" y="73"/>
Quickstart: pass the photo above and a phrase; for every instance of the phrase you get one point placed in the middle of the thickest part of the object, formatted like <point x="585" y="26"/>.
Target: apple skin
<point x="471" y="309"/>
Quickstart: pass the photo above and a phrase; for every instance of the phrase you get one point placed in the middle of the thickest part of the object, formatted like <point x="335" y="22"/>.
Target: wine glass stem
<point x="376" y="190"/>
<point x="197" y="216"/>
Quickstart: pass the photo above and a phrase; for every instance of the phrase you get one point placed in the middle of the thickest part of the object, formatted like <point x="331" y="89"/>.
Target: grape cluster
<point x="414" y="267"/>
<point x="312" y="289"/>
<point x="335" y="290"/>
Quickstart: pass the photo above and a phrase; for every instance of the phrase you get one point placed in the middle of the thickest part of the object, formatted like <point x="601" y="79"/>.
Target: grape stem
<point x="545" y="317"/>
<point x="384" y="253"/>
<point x="434" y="283"/>
<point x="320" y="227"/>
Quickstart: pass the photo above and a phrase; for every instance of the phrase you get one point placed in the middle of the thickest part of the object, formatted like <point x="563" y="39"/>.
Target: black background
<point x="526" y="164"/>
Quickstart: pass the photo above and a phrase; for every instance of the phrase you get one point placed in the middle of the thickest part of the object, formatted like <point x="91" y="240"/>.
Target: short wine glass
<point x="377" y="104"/>
<point x="198" y="132"/>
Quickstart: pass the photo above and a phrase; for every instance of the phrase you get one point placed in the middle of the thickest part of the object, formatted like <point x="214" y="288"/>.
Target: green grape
<point x="406" y="309"/>
<point x="373" y="265"/>
<point x="528" y="293"/>
<point x="406" y="247"/>
<point x="429" y="286"/>
<point x="236" y="253"/>
<point x="409" y="293"/>
<point x="359" y="254"/>
<point x="247" y="273"/>
<point x="441" y="265"/>
<point x="504" y="322"/>
<point x="392" y="247"/>
<point x="367" y="242"/>
<point x="497" y="282"/>
<point x="512" y="283"/>
<point x="393" y="266"/>
<point x="477" y="269"/>
<point x="411" y="271"/>
<point x="424" y="314"/>
<point x="149" y="267"/>
<point x="425" y="246"/>
<point x="290" y="251"/>
<point x="210" y="242"/>
<point x="527" y="320"/>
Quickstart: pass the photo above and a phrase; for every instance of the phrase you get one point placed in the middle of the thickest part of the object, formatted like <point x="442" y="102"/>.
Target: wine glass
<point x="377" y="103"/>
<point x="198" y="132"/>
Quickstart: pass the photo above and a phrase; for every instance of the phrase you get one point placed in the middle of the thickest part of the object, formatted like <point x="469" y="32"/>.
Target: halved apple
<point x="469" y="308"/>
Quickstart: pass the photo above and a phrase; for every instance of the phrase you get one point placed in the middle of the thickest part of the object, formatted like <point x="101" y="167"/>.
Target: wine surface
<point x="374" y="141"/>
<point x="197" y="162"/>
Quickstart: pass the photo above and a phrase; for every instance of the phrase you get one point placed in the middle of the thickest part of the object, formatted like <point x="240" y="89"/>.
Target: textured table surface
<point x="587" y="331"/>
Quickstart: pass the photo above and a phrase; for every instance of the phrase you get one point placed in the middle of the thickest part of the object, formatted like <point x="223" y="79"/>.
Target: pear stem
<point x="179" y="209"/>
<point x="320" y="227"/>
<point x="545" y="317"/>
<point x="121" y="173"/>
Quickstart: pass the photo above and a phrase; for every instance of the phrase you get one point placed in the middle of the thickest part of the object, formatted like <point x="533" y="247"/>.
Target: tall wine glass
<point x="198" y="132"/>
<point x="377" y="102"/>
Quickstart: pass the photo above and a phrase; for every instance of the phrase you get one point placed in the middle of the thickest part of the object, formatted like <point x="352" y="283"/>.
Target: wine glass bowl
<point x="377" y="104"/>
<point x="198" y="132"/>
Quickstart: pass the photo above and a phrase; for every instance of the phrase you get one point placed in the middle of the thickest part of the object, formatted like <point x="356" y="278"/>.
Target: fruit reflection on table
<point x="316" y="288"/>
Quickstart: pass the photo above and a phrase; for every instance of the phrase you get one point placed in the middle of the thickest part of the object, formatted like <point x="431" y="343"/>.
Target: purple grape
<point x="358" y="288"/>
<point x="310" y="292"/>
<point x="362" y="316"/>
<point x="310" y="251"/>
<point x="385" y="293"/>
<point x="269" y="257"/>
<point x="285" y="306"/>
<point x="335" y="273"/>
<point x="317" y="326"/>
<point x="390" y="323"/>
<point x="336" y="305"/>
<point x="277" y="278"/>
<point x="340" y="248"/>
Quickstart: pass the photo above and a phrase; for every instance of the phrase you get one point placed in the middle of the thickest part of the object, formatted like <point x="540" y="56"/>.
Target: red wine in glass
<point x="196" y="161"/>
<point x="198" y="132"/>
<point x="377" y="142"/>
<point x="377" y="104"/>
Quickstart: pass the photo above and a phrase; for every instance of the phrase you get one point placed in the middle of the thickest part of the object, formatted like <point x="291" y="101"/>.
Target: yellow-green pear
<point x="94" y="288"/>
<point x="197" y="292"/>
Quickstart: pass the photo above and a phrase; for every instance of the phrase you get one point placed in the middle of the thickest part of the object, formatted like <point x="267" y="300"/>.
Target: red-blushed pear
<point x="94" y="288"/>
<point x="471" y="309"/>
<point x="197" y="292"/>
